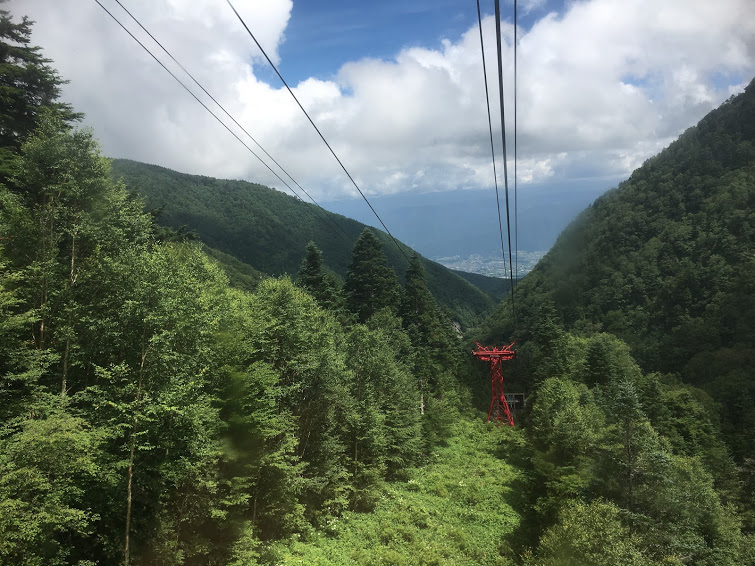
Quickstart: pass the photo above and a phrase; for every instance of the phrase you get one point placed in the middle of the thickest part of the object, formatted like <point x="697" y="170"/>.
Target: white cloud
<point x="527" y="6"/>
<point x="601" y="87"/>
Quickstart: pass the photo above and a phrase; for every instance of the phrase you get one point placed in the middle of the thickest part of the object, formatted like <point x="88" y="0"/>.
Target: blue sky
<point x="396" y="85"/>
<point x="322" y="36"/>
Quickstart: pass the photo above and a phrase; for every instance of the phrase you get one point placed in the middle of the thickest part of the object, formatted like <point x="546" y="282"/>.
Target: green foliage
<point x="647" y="300"/>
<point x="151" y="414"/>
<point x="665" y="263"/>
<point x="428" y="325"/>
<point x="240" y="275"/>
<point x="269" y="230"/>
<point x="165" y="313"/>
<point x="608" y="361"/>
<point x="48" y="471"/>
<point x="21" y="364"/>
<point x="203" y="420"/>
<point x="636" y="442"/>
<point x="385" y="417"/>
<point x="565" y="419"/>
<point x="290" y="344"/>
<point x="496" y="287"/>
<point x="437" y="350"/>
<point x="694" y="525"/>
<point x="317" y="281"/>
<point x="587" y="535"/>
<point x="566" y="430"/>
<point x="370" y="284"/>
<point x="29" y="87"/>
<point x="456" y="510"/>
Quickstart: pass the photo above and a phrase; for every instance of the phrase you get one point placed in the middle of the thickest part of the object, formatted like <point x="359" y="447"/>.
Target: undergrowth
<point x="454" y="510"/>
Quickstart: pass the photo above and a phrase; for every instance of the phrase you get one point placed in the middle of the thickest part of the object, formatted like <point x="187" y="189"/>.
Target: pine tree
<point x="370" y="284"/>
<point x="416" y="298"/>
<point x="315" y="280"/>
<point x="29" y="86"/>
<point x="427" y="323"/>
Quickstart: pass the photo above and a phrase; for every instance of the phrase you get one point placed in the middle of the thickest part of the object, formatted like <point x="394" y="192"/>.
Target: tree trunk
<point x="64" y="380"/>
<point x="421" y="397"/>
<point x="132" y="448"/>
<point x="126" y="549"/>
<point x="71" y="281"/>
<point x="46" y="233"/>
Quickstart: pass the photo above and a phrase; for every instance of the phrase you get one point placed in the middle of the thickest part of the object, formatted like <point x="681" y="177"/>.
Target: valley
<point x="197" y="371"/>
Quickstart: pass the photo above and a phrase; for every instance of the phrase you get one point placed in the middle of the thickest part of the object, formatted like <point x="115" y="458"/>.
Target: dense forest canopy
<point x="665" y="262"/>
<point x="645" y="308"/>
<point x="269" y="231"/>
<point x="163" y="402"/>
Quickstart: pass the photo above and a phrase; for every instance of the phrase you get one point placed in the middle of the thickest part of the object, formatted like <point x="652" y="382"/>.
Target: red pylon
<point x="499" y="407"/>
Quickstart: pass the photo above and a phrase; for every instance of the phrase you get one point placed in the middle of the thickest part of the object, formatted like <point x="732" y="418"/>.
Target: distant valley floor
<point x="492" y="266"/>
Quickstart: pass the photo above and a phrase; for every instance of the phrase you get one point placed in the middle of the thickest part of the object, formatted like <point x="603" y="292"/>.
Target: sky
<point x="396" y="86"/>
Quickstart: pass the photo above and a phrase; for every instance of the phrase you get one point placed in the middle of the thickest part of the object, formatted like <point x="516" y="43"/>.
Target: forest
<point x="164" y="402"/>
<point x="269" y="230"/>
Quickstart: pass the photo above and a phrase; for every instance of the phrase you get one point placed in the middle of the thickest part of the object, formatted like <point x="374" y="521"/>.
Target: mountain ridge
<point x="665" y="262"/>
<point x="268" y="230"/>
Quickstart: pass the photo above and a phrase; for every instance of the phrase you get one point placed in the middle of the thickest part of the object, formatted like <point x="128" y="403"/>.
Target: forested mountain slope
<point x="270" y="230"/>
<point x="636" y="339"/>
<point x="496" y="287"/>
<point x="152" y="414"/>
<point x="666" y="262"/>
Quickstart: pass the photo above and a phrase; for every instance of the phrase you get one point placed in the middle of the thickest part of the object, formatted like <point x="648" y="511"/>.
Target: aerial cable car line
<point x="503" y="140"/>
<point x="168" y="53"/>
<point x="499" y="406"/>
<point x="322" y="137"/>
<point x="490" y="129"/>
<point x="187" y="89"/>
<point x="516" y="216"/>
<point x="195" y="97"/>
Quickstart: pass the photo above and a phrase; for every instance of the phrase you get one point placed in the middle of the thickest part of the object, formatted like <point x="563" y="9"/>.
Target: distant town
<point x="493" y="266"/>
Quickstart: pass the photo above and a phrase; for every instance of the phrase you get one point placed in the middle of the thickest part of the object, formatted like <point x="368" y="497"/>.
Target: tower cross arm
<point x="488" y="354"/>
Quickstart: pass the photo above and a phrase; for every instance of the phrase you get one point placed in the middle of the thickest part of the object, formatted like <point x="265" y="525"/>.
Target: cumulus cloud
<point x="602" y="85"/>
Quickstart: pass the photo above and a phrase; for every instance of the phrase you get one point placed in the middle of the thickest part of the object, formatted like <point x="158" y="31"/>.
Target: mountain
<point x="496" y="287"/>
<point x="666" y="262"/>
<point x="269" y="230"/>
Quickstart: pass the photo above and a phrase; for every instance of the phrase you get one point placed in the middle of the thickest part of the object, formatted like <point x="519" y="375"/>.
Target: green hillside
<point x="269" y="230"/>
<point x="163" y="402"/>
<point x="456" y="510"/>
<point x="496" y="287"/>
<point x="666" y="262"/>
<point x="636" y="340"/>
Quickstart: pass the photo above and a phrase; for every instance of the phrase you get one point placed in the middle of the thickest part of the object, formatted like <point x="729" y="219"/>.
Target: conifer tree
<point x="416" y="298"/>
<point x="29" y="86"/>
<point x="315" y="280"/>
<point x="370" y="284"/>
<point x="427" y="323"/>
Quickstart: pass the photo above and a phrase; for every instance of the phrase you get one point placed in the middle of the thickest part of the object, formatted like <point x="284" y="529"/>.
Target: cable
<point x="168" y="53"/>
<point x="316" y="129"/>
<point x="503" y="139"/>
<point x="195" y="96"/>
<point x="516" y="215"/>
<point x="490" y="129"/>
<point x="198" y="100"/>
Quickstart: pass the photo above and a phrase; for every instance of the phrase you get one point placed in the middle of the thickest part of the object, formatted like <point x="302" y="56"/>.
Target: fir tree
<point x="315" y="280"/>
<point x="426" y="322"/>
<point x="29" y="86"/>
<point x="370" y="284"/>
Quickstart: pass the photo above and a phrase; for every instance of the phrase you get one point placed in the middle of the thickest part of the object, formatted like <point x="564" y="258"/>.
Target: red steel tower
<point x="499" y="407"/>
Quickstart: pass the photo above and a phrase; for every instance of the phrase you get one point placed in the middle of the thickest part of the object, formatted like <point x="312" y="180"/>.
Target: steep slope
<point x="496" y="287"/>
<point x="269" y="230"/>
<point x="666" y="262"/>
